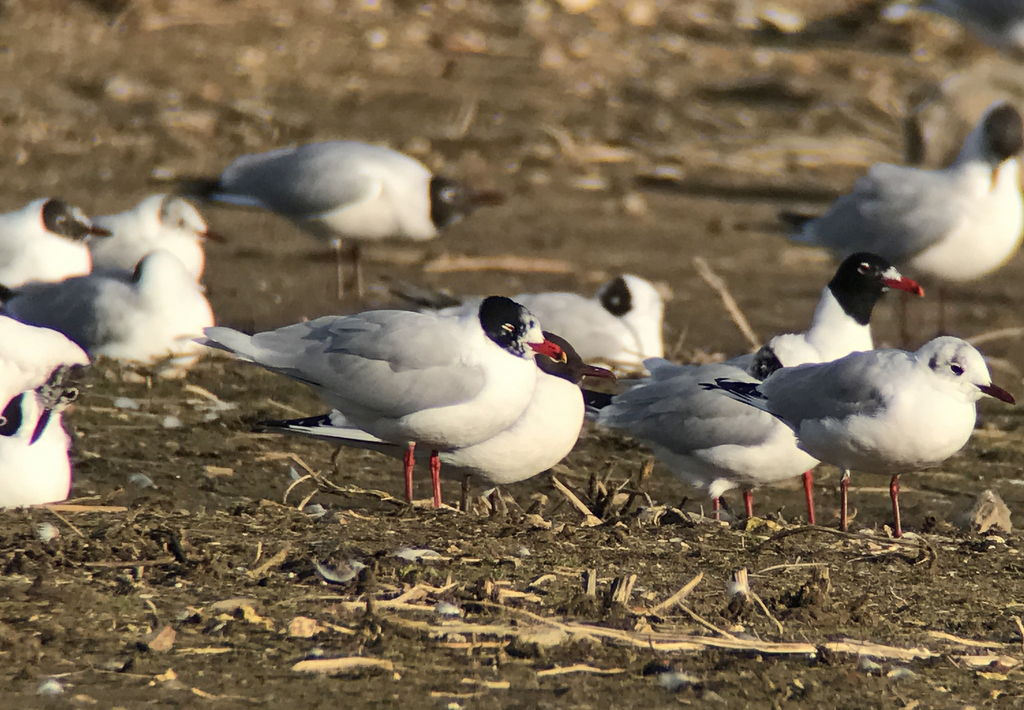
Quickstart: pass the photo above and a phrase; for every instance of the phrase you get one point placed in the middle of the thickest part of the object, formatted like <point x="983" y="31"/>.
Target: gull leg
<point x="435" y="477"/>
<point x="844" y="493"/>
<point x="809" y="494"/>
<point x="357" y="265"/>
<point x="894" y="493"/>
<point x="748" y="502"/>
<point x="464" y="501"/>
<point x="409" y="460"/>
<point x="716" y="505"/>
<point x="336" y="243"/>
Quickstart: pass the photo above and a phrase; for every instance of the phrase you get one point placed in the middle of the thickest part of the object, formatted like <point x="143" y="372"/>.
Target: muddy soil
<point x="630" y="136"/>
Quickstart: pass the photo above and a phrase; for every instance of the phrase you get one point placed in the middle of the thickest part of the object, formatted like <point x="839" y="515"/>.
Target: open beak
<point x="592" y="371"/>
<point x="998" y="392"/>
<point x="487" y="198"/>
<point x="902" y="283"/>
<point x="548" y="348"/>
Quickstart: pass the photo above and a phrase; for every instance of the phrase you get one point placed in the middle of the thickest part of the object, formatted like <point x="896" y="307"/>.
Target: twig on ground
<point x="679" y="596"/>
<point x="579" y="668"/>
<point x="590" y="520"/>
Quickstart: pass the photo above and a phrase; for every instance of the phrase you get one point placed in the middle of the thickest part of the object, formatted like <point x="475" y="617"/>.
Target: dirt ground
<point x="630" y="136"/>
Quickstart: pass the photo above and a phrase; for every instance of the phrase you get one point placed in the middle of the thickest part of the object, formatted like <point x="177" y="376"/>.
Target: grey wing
<point x="302" y="182"/>
<point x="390" y="363"/>
<point x="860" y="383"/>
<point x="675" y="412"/>
<point x="68" y="307"/>
<point x="893" y="211"/>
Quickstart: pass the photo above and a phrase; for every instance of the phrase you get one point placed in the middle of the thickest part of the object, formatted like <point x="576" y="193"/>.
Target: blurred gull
<point x="1000" y="23"/>
<point x="161" y="221"/>
<point x="151" y="315"/>
<point x="44" y="241"/>
<point x="883" y="411"/>
<point x="952" y="225"/>
<point x="346" y="190"/>
<point x="29" y="355"/>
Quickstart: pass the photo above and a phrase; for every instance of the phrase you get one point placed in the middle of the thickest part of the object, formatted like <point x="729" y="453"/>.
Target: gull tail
<point x="595" y="402"/>
<point x="330" y="427"/>
<point x="207" y="188"/>
<point x="744" y="392"/>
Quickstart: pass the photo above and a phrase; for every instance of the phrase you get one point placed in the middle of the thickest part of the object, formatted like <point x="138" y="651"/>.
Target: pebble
<point x="410" y="554"/>
<point x="141" y="480"/>
<point x="447" y="609"/>
<point x="342" y="574"/>
<point x="47" y="532"/>
<point x="674" y="680"/>
<point x="869" y="666"/>
<point x="171" y="422"/>
<point x="125" y="403"/>
<point x="50" y="686"/>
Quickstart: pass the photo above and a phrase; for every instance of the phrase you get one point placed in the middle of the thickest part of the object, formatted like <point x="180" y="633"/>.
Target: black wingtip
<point x="198" y="186"/>
<point x="795" y="220"/>
<point x="596" y="400"/>
<point x="272" y="425"/>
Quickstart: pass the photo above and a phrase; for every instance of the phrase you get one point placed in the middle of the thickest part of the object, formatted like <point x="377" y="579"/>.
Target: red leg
<point x="894" y="493"/>
<point x="435" y="477"/>
<point x="748" y="503"/>
<point x="409" y="460"/>
<point x="716" y="505"/>
<point x="844" y="494"/>
<point x="809" y="494"/>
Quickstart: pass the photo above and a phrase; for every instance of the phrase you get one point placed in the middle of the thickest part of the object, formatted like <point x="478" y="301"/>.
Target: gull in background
<point x="953" y="225"/>
<point x="160" y="221"/>
<point x="45" y="241"/>
<point x="151" y="315"/>
<point x="999" y="23"/>
<point x="345" y="190"/>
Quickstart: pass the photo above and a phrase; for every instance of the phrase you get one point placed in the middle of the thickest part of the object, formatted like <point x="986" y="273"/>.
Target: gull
<point x="953" y="225"/>
<point x="620" y="327"/>
<point x="345" y="190"/>
<point x="716" y="444"/>
<point x="410" y="379"/>
<point x="44" y="241"/>
<point x="29" y="355"/>
<point x="151" y="315"/>
<point x="883" y="411"/>
<point x="543" y="434"/>
<point x="160" y="221"/>
<point x="34" y="464"/>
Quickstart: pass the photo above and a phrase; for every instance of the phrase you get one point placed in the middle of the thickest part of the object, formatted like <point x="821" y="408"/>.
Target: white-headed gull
<point x="620" y="327"/>
<point x="441" y="382"/>
<point x="160" y="221"/>
<point x="43" y="241"/>
<point x="345" y="190"/>
<point x="34" y="464"/>
<point x="1000" y="23"/>
<point x="952" y="225"/>
<point x="151" y="315"/>
<point x="29" y="355"/>
<point x="545" y="432"/>
<point x="717" y="445"/>
<point x="883" y="411"/>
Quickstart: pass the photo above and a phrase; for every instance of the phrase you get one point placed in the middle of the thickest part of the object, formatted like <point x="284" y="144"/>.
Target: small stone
<point x="170" y="422"/>
<point x="141" y="480"/>
<point x="901" y="673"/>
<point x="448" y="610"/>
<point x="163" y="640"/>
<point x="869" y="666"/>
<point x="125" y="403"/>
<point x="47" y="532"/>
<point x="303" y="627"/>
<point x="50" y="686"/>
<point x="675" y="681"/>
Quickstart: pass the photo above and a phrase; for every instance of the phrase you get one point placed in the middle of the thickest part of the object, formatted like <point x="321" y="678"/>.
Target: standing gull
<point x="441" y="382"/>
<point x="717" y="445"/>
<point x="953" y="225"/>
<point x="544" y="434"/>
<point x="344" y="190"/>
<point x="883" y="411"/>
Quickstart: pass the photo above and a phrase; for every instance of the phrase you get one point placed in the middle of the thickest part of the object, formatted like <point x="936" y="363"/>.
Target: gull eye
<point x="508" y="328"/>
<point x="449" y="194"/>
<point x="956" y="369"/>
<point x="863" y="268"/>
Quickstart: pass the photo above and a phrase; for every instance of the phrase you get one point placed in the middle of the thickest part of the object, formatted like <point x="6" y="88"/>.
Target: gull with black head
<point x="410" y="379"/>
